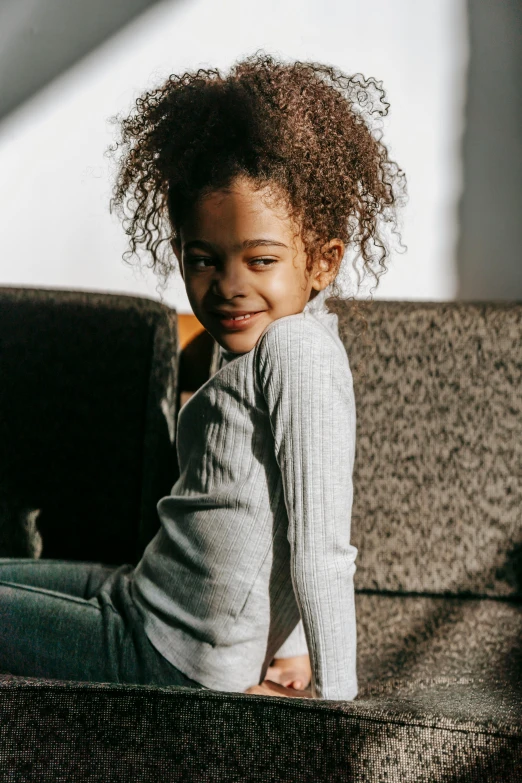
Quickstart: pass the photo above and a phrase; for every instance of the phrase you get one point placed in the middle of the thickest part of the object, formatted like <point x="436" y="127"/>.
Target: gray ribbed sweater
<point x="256" y="531"/>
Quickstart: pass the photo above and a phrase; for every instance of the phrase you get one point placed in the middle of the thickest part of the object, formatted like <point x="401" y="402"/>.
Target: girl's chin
<point x="237" y="345"/>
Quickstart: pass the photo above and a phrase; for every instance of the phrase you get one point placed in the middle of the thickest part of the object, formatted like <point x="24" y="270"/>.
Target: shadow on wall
<point x="43" y="38"/>
<point x="489" y="246"/>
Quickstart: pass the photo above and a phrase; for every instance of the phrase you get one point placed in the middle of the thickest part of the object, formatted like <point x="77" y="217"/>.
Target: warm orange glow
<point x="188" y="327"/>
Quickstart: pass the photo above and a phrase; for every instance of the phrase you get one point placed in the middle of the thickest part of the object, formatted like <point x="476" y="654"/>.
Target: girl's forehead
<point x="237" y="212"/>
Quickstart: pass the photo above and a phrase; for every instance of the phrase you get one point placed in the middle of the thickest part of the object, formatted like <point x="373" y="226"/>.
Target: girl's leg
<point x="81" y="579"/>
<point x="48" y="633"/>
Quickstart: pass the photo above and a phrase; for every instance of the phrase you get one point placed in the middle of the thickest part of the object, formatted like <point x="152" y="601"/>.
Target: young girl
<point x="259" y="182"/>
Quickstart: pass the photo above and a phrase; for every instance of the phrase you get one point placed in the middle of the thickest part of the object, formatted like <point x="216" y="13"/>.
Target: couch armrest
<point x="99" y="731"/>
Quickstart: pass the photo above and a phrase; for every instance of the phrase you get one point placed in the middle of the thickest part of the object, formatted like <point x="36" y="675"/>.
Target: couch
<point x="88" y="403"/>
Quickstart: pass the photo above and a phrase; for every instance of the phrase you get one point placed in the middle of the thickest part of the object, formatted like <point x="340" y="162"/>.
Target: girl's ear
<point x="328" y="264"/>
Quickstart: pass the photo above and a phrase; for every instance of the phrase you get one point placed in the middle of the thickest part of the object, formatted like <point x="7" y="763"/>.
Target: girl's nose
<point x="229" y="281"/>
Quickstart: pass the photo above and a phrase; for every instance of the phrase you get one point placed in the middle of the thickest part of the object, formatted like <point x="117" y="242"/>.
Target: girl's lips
<point x="243" y="323"/>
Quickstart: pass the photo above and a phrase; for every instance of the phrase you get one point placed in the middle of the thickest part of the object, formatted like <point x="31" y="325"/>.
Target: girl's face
<point x="239" y="256"/>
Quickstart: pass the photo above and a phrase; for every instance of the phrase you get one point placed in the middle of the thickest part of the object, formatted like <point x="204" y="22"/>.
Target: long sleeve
<point x="306" y="381"/>
<point x="295" y="644"/>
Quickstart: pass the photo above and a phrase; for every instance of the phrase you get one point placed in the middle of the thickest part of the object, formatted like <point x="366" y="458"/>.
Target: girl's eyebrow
<point x="248" y="243"/>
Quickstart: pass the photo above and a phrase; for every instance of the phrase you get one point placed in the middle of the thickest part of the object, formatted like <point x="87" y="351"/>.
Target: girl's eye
<point x="254" y="262"/>
<point x="194" y="259"/>
<point x="267" y="260"/>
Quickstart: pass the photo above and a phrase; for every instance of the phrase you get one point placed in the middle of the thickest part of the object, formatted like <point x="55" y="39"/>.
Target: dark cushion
<point x="82" y="731"/>
<point x="87" y="415"/>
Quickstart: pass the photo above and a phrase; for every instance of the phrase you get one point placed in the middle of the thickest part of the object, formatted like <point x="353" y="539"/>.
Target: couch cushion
<point x="403" y="640"/>
<point x="85" y="731"/>
<point x="87" y="418"/>
<point x="438" y="466"/>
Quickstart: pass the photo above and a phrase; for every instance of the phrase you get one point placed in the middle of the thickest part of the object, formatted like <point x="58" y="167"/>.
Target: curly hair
<point x="306" y="128"/>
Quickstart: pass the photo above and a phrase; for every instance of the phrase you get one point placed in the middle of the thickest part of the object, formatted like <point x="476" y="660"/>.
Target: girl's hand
<point x="269" y="688"/>
<point x="293" y="672"/>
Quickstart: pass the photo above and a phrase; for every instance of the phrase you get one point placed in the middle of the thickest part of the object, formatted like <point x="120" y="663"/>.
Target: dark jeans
<point x="68" y="620"/>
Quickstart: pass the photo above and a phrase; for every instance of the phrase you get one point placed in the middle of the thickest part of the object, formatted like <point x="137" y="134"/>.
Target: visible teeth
<point x="240" y="317"/>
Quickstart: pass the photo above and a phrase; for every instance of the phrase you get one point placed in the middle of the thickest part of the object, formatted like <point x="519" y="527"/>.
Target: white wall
<point x="490" y="228"/>
<point x="56" y="183"/>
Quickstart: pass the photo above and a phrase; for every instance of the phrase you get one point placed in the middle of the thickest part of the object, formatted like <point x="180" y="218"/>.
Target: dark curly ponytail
<point x="304" y="126"/>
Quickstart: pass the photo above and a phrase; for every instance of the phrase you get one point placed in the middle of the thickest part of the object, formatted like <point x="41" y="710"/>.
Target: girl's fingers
<point x="291" y="678"/>
<point x="289" y="682"/>
<point x="270" y="688"/>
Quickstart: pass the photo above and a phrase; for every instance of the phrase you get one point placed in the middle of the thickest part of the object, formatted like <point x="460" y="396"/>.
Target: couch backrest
<point x="438" y="465"/>
<point x="87" y="418"/>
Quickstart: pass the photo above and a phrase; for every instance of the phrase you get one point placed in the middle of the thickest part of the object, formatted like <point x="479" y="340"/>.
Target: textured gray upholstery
<point x="438" y="466"/>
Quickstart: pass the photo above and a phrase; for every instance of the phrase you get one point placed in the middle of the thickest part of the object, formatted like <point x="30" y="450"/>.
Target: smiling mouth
<point x="236" y="317"/>
<point x="230" y="321"/>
